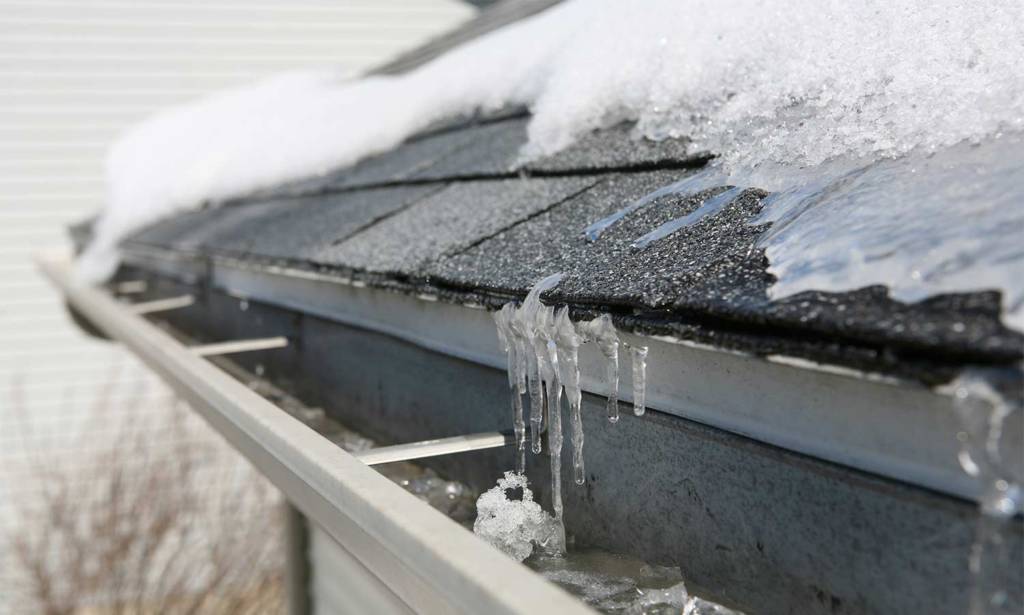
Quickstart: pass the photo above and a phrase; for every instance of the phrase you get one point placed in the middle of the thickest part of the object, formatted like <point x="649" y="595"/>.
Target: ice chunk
<point x="674" y="596"/>
<point x="515" y="526"/>
<point x="614" y="583"/>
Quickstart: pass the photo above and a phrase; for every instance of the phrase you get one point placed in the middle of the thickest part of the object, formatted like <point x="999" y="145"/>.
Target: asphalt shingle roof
<point x="455" y="213"/>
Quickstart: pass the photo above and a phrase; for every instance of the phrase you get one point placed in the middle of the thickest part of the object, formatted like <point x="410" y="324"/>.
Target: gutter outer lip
<point x="432" y="563"/>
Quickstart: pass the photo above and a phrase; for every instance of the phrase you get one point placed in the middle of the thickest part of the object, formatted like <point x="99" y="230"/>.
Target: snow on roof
<point x="803" y="98"/>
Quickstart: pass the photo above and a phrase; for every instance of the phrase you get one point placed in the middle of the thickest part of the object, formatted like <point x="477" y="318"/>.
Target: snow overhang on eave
<point x="875" y="423"/>
<point x="429" y="561"/>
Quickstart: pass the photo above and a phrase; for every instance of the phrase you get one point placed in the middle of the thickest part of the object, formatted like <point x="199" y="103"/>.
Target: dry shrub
<point x="157" y="515"/>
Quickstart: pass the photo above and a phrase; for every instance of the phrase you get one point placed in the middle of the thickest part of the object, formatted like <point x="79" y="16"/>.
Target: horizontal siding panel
<point x="446" y="13"/>
<point x="73" y="382"/>
<point x="162" y="39"/>
<point x="74" y="74"/>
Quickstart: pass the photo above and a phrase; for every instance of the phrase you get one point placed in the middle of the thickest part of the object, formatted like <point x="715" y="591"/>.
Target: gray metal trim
<point x="162" y="305"/>
<point x="430" y="562"/>
<point x="874" y="423"/>
<point x="297" y="564"/>
<point x="434" y="448"/>
<point x="237" y="346"/>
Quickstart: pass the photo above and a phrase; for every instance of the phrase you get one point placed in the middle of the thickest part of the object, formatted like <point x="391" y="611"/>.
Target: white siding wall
<point x="73" y="73"/>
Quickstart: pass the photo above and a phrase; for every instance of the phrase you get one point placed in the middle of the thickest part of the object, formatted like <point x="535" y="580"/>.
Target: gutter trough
<point x="876" y="423"/>
<point x="422" y="558"/>
<point x="775" y="485"/>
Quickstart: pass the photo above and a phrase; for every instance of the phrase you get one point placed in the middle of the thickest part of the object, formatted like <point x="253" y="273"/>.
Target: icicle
<point x="568" y="343"/>
<point x="547" y="357"/>
<point x="527" y="320"/>
<point x="602" y="331"/>
<point x="545" y="378"/>
<point x="536" y="400"/>
<point x="542" y="348"/>
<point x="555" y="458"/>
<point x="639" y="357"/>
<point x="983" y="411"/>
<point x="507" y="336"/>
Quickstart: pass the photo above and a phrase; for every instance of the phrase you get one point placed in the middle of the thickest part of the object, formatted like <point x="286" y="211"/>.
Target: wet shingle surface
<point x="452" y="213"/>
<point x="618" y="148"/>
<point x="296" y="228"/>
<point x="447" y="222"/>
<point x="491" y="150"/>
<point x="285" y="228"/>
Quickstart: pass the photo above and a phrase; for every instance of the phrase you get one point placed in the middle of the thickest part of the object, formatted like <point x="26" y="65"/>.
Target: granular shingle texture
<point x="448" y="221"/>
<point x="454" y="213"/>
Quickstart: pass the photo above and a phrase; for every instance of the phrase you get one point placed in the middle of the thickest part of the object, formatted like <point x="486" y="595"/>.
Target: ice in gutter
<point x="542" y="347"/>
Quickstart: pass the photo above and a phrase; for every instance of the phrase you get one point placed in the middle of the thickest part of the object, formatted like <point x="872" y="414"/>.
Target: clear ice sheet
<point x="923" y="224"/>
<point x="709" y="207"/>
<point x="927" y="222"/>
<point x="688" y="185"/>
<point x="621" y="585"/>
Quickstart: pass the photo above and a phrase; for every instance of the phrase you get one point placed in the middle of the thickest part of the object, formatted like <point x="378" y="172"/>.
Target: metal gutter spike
<point x="162" y="305"/>
<point x="434" y="448"/>
<point x="235" y="346"/>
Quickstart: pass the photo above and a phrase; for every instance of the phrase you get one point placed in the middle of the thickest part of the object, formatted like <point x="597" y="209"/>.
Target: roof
<point x="453" y="212"/>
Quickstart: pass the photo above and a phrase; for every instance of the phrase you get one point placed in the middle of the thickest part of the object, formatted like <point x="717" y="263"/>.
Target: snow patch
<point x="799" y="83"/>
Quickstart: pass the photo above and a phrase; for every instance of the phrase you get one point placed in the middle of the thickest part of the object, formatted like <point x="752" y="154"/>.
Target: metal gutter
<point x="870" y="422"/>
<point x="434" y="448"/>
<point x="427" y="560"/>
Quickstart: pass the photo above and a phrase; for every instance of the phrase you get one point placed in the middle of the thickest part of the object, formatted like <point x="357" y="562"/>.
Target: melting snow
<point x="774" y="89"/>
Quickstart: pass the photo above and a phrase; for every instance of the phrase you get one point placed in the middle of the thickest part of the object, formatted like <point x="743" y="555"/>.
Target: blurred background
<point x="113" y="497"/>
